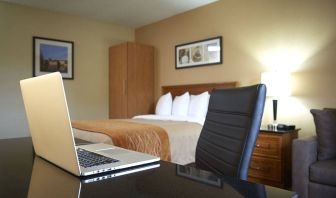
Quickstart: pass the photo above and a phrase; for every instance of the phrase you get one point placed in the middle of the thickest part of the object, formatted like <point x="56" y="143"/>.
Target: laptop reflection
<point x="48" y="180"/>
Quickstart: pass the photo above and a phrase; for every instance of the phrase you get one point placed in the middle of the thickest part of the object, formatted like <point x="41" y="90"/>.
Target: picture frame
<point x="199" y="53"/>
<point x="52" y="55"/>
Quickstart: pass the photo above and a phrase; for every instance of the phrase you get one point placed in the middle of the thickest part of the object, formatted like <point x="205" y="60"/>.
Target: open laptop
<point x="52" y="136"/>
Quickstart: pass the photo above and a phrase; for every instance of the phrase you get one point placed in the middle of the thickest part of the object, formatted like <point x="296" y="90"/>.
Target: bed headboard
<point x="195" y="89"/>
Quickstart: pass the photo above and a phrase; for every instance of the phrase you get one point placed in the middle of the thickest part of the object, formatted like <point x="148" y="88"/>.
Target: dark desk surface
<point x="22" y="175"/>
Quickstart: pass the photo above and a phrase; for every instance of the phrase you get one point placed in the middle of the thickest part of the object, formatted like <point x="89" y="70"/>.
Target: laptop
<point x="53" y="179"/>
<point x="50" y="127"/>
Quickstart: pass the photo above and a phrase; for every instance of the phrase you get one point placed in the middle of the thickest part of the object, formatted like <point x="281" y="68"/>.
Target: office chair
<point x="230" y="130"/>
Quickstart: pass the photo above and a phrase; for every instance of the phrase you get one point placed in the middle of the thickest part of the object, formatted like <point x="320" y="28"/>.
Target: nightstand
<point x="271" y="162"/>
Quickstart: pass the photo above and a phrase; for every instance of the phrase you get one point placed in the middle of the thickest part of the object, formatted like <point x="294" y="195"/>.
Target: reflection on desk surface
<point x="47" y="180"/>
<point x="236" y="187"/>
<point x="198" y="175"/>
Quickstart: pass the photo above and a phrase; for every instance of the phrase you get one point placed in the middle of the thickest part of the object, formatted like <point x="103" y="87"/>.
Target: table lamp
<point x="278" y="84"/>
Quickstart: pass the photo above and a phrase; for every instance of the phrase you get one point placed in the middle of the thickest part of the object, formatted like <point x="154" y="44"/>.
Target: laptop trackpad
<point x="114" y="151"/>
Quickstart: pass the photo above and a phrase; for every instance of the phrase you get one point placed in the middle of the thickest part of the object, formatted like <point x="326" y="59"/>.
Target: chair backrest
<point x="230" y="130"/>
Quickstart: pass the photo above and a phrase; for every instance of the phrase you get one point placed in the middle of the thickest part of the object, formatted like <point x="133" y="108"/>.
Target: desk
<point x="18" y="170"/>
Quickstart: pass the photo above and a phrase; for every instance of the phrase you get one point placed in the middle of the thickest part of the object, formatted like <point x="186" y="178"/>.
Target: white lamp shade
<point x="278" y="84"/>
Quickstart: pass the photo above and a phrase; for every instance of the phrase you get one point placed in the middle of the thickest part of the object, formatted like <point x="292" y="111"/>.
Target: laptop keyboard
<point x="88" y="159"/>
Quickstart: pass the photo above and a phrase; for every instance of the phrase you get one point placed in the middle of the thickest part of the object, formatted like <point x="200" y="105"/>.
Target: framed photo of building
<point x="199" y="53"/>
<point x="53" y="55"/>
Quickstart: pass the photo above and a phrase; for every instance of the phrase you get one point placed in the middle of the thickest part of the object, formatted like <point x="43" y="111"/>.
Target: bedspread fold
<point x="142" y="137"/>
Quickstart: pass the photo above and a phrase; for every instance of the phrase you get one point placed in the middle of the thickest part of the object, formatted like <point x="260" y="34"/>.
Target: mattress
<point x="183" y="135"/>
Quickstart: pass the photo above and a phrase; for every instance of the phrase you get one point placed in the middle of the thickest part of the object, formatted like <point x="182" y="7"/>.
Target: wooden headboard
<point x="195" y="89"/>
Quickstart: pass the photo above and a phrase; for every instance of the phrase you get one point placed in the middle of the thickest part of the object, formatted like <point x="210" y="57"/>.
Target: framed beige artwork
<point x="199" y="53"/>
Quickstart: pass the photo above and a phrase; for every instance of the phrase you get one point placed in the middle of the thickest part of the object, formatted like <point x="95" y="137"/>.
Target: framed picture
<point x="52" y="55"/>
<point x="199" y="53"/>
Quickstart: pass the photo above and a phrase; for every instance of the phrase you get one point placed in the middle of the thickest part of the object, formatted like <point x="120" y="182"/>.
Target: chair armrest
<point x="304" y="154"/>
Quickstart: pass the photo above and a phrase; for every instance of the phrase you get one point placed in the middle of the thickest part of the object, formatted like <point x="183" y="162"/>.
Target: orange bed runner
<point x="145" y="138"/>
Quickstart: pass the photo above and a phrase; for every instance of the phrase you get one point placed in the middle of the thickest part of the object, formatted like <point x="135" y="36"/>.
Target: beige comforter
<point x="183" y="137"/>
<point x="142" y="137"/>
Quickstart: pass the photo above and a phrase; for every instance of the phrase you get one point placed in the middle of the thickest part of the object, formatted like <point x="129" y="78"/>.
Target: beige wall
<point x="87" y="94"/>
<point x="259" y="35"/>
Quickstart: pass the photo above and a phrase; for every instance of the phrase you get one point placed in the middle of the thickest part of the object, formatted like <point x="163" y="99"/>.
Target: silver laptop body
<point x="51" y="131"/>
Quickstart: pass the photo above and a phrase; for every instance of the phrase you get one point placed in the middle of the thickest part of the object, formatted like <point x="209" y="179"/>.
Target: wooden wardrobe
<point x="131" y="80"/>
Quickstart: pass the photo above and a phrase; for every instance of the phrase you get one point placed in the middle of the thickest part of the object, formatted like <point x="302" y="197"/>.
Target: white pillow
<point x="164" y="105"/>
<point x="181" y="105"/>
<point x="198" y="105"/>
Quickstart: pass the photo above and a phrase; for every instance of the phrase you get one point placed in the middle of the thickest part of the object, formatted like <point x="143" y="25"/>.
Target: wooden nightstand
<point x="271" y="162"/>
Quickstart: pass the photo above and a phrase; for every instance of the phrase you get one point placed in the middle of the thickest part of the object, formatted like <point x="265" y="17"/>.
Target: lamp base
<point x="273" y="126"/>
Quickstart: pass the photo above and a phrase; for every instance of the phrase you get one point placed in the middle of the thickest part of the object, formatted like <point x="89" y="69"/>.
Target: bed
<point x="180" y="136"/>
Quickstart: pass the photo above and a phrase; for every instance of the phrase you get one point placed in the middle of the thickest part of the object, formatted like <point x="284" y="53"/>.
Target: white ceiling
<point x="130" y="13"/>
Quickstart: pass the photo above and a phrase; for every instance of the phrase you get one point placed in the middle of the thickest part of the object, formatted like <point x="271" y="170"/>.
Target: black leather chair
<point x="230" y="130"/>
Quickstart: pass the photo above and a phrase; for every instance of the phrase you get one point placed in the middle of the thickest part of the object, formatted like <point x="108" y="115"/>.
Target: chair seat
<point x="323" y="172"/>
